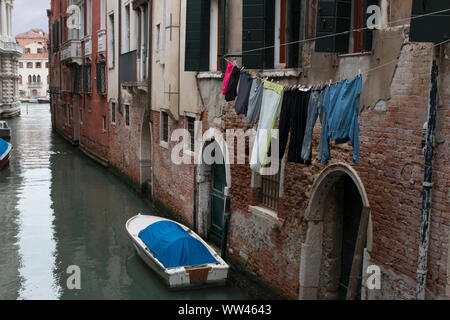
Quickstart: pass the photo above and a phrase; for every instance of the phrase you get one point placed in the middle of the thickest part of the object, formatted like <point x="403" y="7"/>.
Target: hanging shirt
<point x="270" y="107"/>
<point x="245" y="84"/>
<point x="293" y="117"/>
<point x="255" y="100"/>
<point x="231" y="92"/>
<point x="341" y="104"/>
<point x="226" y="79"/>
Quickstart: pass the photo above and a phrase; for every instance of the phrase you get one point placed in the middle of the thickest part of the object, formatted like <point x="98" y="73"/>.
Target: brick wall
<point x="391" y="169"/>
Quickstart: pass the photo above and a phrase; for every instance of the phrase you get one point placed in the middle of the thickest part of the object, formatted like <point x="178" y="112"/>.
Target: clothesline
<point x="334" y="34"/>
<point x="359" y="71"/>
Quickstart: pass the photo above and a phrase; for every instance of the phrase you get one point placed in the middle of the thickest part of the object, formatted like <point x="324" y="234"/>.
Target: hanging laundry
<point x="255" y="100"/>
<point x="271" y="101"/>
<point x="315" y="109"/>
<point x="342" y="104"/>
<point x="231" y="92"/>
<point x="226" y="79"/>
<point x="245" y="84"/>
<point x="293" y="117"/>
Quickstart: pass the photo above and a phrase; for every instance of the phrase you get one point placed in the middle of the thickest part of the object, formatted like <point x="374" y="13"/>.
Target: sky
<point x="30" y="14"/>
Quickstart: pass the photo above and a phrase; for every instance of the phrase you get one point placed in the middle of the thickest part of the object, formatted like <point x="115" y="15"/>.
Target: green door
<point x="217" y="200"/>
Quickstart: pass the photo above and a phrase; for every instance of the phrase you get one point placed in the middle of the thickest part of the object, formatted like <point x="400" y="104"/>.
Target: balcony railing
<point x="87" y="41"/>
<point x="101" y="41"/>
<point x="71" y="51"/>
<point x="34" y="84"/>
<point x="128" y="73"/>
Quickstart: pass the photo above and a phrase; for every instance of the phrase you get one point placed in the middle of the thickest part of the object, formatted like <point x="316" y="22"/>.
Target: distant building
<point x="33" y="65"/>
<point x="10" y="52"/>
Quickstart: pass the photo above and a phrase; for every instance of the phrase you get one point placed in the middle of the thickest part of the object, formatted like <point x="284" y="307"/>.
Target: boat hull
<point x="180" y="277"/>
<point x="5" y="133"/>
<point x="5" y="160"/>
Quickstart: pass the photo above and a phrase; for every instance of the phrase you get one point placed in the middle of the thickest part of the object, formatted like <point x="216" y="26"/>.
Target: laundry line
<point x="330" y="35"/>
<point x="299" y="86"/>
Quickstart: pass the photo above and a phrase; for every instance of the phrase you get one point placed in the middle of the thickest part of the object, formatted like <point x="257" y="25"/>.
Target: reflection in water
<point x="57" y="209"/>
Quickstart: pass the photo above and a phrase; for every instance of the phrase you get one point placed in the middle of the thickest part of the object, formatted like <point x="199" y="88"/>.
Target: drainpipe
<point x="428" y="143"/>
<point x="226" y="225"/>
<point x="149" y="82"/>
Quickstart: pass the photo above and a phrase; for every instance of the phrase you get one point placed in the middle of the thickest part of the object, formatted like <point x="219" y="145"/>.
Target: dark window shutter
<point x="293" y="32"/>
<point x="223" y="28"/>
<point x="258" y="23"/>
<point x="197" y="35"/>
<point x="367" y="33"/>
<point x="433" y="28"/>
<point x="333" y="16"/>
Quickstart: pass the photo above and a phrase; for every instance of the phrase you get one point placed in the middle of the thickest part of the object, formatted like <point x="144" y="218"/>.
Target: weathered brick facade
<point x="297" y="249"/>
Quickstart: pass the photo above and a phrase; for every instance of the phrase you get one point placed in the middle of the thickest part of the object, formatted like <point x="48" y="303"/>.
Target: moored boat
<point x="44" y="100"/>
<point x="5" y="131"/>
<point x="5" y="153"/>
<point x="177" y="254"/>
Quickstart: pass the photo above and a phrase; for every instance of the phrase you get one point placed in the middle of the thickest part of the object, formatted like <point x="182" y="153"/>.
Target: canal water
<point x="59" y="209"/>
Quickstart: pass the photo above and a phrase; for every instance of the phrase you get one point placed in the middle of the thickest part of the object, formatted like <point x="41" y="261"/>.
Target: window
<point x="431" y="28"/>
<point x="190" y="127"/>
<point x="20" y="79"/>
<point x="29" y="79"/>
<point x="38" y="79"/>
<point x="102" y="14"/>
<point x="38" y="65"/>
<point x="337" y="16"/>
<point x="158" y="36"/>
<point x="87" y="78"/>
<point x="101" y="77"/>
<point x="27" y="50"/>
<point x="164" y="127"/>
<point x="39" y="50"/>
<point x="29" y="65"/>
<point x="111" y="41"/>
<point x="203" y="18"/>
<point x="270" y="23"/>
<point x="127" y="25"/>
<point x="269" y="191"/>
<point x="104" y="122"/>
<point x="89" y="17"/>
<point x="46" y="65"/>
<point x="127" y="115"/>
<point x="21" y="65"/>
<point x="113" y="112"/>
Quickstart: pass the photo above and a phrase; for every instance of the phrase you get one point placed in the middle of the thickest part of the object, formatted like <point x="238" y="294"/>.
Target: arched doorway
<point x="214" y="181"/>
<point x="337" y="218"/>
<point x="146" y="157"/>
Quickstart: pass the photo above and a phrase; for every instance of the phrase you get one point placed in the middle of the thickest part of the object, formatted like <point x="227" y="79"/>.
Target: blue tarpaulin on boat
<point x="174" y="247"/>
<point x="3" y="146"/>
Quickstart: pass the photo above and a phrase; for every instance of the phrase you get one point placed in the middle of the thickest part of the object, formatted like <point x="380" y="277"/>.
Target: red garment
<point x="227" y="77"/>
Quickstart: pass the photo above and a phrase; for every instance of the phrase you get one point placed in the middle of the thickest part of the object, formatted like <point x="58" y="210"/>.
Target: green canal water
<point x="58" y="209"/>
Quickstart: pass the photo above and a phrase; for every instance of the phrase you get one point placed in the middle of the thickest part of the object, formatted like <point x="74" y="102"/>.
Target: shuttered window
<point x="258" y="21"/>
<point x="197" y="35"/>
<point x="433" y="28"/>
<point x="335" y="16"/>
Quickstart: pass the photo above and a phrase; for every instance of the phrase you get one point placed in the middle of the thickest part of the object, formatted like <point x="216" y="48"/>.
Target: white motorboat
<point x="177" y="254"/>
<point x="5" y="131"/>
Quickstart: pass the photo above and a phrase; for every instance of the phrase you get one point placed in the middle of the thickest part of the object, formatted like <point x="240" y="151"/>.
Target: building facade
<point x="33" y="65"/>
<point x="10" y="52"/>
<point x="297" y="231"/>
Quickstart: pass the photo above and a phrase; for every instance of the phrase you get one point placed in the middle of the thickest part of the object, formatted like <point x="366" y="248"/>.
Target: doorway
<point x="333" y="217"/>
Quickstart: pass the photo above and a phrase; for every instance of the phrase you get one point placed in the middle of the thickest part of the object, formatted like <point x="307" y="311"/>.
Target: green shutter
<point x="368" y="33"/>
<point x="197" y="35"/>
<point x="433" y="28"/>
<point x="333" y="16"/>
<point x="258" y="23"/>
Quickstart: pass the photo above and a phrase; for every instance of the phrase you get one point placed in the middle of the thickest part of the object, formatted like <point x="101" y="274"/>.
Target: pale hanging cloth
<point x="270" y="107"/>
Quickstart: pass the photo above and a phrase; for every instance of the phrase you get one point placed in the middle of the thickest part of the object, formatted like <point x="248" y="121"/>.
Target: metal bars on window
<point x="269" y="191"/>
<point x="101" y="77"/>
